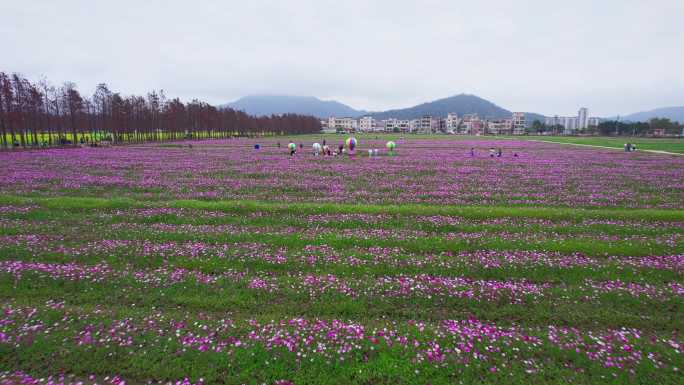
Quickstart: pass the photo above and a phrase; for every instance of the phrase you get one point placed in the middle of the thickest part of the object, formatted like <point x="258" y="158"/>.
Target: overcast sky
<point x="546" y="56"/>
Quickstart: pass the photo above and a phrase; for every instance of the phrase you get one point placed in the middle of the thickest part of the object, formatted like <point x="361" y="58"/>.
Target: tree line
<point x="654" y="127"/>
<point x="42" y="115"/>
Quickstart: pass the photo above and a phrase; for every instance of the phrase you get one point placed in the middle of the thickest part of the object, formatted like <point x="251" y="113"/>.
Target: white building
<point x="551" y="121"/>
<point x="367" y="124"/>
<point x="499" y="126"/>
<point x="414" y="124"/>
<point x="426" y="125"/>
<point x="571" y="124"/>
<point x="342" y="124"/>
<point x="515" y="125"/>
<point x="518" y="123"/>
<point x="396" y="125"/>
<point x="390" y="125"/>
<point x="583" y="118"/>
<point x="436" y="125"/>
<point x="452" y="121"/>
<point x="325" y="128"/>
<point x="593" y="122"/>
<point x="404" y="125"/>
<point x="471" y="124"/>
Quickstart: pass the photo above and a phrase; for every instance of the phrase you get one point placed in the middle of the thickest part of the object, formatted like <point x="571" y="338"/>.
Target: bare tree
<point x="33" y="114"/>
<point x="74" y="106"/>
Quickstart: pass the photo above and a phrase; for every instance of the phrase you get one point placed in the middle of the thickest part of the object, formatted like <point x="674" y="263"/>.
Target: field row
<point x="423" y="171"/>
<point x="223" y="349"/>
<point x="258" y="260"/>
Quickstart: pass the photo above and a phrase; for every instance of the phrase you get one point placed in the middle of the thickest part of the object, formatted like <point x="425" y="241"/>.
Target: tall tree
<point x="74" y="106"/>
<point x="32" y="114"/>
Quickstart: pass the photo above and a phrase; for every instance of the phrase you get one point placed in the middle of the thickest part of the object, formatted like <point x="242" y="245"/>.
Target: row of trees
<point x="654" y="127"/>
<point x="40" y="114"/>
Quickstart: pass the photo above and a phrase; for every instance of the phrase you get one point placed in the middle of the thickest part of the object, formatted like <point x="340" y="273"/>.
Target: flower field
<point x="424" y="171"/>
<point x="222" y="264"/>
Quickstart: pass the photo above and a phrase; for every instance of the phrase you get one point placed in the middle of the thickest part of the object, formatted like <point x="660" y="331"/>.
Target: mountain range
<point x="460" y="104"/>
<point x="675" y="114"/>
<point x="281" y="104"/>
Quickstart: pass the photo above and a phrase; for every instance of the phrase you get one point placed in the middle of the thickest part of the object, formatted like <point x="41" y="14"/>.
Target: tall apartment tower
<point x="518" y="123"/>
<point x="583" y="118"/>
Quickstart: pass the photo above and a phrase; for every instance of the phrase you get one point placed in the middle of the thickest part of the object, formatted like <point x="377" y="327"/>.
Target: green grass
<point x="675" y="145"/>
<point x="257" y="229"/>
<point x="553" y="213"/>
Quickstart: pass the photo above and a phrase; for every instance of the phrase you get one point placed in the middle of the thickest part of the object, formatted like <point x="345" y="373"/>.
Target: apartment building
<point x="572" y="124"/>
<point x="471" y="124"/>
<point x="518" y="123"/>
<point x="414" y="124"/>
<point x="500" y="126"/>
<point x="396" y="125"/>
<point x="582" y="118"/>
<point x="325" y="128"/>
<point x="366" y="124"/>
<point x="451" y="123"/>
<point x="342" y="124"/>
<point x="425" y="125"/>
<point x="391" y="125"/>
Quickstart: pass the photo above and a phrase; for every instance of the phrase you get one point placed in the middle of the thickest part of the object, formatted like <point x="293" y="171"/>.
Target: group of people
<point x="629" y="147"/>
<point x="318" y="149"/>
<point x="327" y="150"/>
<point x="372" y="152"/>
<point x="348" y="147"/>
<point x="492" y="152"/>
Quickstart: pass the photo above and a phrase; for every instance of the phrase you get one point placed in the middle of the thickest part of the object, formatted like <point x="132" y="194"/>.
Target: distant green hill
<point x="460" y="104"/>
<point x="673" y="113"/>
<point x="281" y="104"/>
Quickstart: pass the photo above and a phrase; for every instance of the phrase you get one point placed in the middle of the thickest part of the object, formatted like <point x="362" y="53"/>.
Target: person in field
<point x="472" y="151"/>
<point x="498" y="152"/>
<point x="492" y="152"/>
